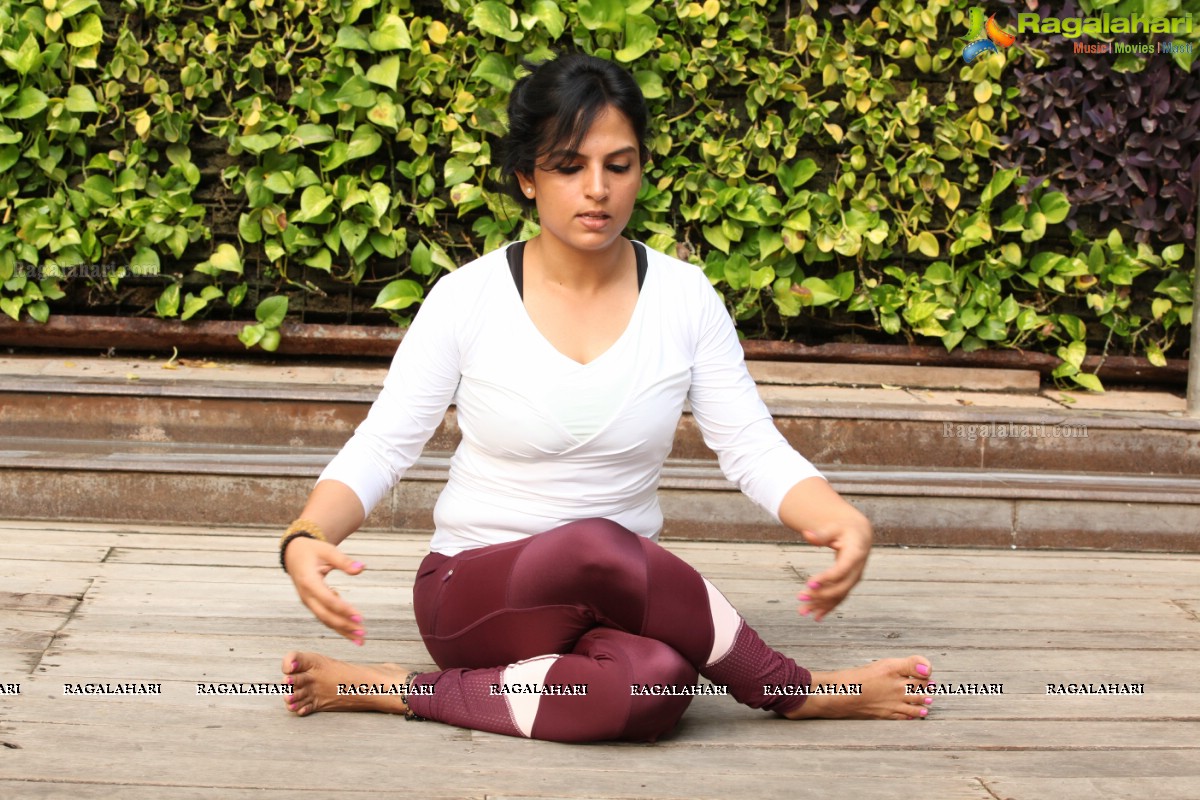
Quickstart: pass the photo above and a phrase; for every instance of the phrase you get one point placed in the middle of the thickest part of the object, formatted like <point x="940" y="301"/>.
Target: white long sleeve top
<point x="526" y="463"/>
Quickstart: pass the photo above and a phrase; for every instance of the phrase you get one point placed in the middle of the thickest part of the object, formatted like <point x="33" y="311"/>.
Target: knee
<point x="656" y="711"/>
<point x="601" y="548"/>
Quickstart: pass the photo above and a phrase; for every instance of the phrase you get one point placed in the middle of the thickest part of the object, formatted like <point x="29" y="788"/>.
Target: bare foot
<point x="321" y="683"/>
<point x="884" y="692"/>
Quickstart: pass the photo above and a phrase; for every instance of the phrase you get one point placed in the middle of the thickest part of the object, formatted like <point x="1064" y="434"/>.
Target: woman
<point x="545" y="601"/>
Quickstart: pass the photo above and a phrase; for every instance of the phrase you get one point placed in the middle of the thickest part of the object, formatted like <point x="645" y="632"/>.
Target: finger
<point x="334" y="612"/>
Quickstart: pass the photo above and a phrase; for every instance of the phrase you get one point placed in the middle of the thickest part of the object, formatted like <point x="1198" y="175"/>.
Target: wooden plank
<point x="1164" y="788"/>
<point x="101" y="790"/>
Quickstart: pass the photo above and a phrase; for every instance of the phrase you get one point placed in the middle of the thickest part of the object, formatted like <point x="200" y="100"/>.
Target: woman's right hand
<point x="308" y="561"/>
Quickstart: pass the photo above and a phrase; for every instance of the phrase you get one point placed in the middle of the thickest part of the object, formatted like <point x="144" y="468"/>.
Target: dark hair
<point x="554" y="106"/>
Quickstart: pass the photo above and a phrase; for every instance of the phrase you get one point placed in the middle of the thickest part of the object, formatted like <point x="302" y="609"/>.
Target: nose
<point x="597" y="183"/>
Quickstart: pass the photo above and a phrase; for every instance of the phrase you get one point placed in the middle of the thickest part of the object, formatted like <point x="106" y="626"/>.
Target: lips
<point x="594" y="220"/>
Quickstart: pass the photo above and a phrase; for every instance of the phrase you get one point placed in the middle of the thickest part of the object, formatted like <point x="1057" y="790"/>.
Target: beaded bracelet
<point x="408" y="683"/>
<point x="300" y="529"/>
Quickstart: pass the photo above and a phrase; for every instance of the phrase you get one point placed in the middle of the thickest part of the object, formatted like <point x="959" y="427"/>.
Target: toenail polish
<point x="289" y="680"/>
<point x="356" y="565"/>
<point x="295" y="665"/>
<point x="921" y="668"/>
<point x="803" y="598"/>
<point x="928" y="700"/>
<point x="924" y="712"/>
<point x="814" y="585"/>
<point x="356" y="618"/>
<point x="359" y="633"/>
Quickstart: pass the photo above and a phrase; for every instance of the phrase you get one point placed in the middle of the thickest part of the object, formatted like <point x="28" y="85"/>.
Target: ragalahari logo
<point x="984" y="37"/>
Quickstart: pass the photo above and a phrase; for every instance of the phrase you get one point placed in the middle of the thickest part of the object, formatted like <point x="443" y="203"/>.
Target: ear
<point x="526" y="184"/>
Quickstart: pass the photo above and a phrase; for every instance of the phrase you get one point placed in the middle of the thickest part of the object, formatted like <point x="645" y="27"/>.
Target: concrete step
<point x="238" y="444"/>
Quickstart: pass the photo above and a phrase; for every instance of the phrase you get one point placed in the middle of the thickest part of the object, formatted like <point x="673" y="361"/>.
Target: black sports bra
<point x="516" y="265"/>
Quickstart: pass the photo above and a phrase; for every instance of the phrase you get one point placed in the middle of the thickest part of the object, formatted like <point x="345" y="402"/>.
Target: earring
<point x="529" y="191"/>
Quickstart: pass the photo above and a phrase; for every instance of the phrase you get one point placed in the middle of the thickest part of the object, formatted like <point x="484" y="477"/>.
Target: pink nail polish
<point x="803" y="598"/>
<point x="358" y="643"/>
<point x="356" y="565"/>
<point x="814" y="585"/>
<point x="295" y="665"/>
<point x="928" y="700"/>
<point x="289" y="680"/>
<point x="921" y="668"/>
<point x="804" y="612"/>
<point x="359" y="633"/>
<point x="924" y="712"/>
<point x="291" y="706"/>
<point x="356" y="618"/>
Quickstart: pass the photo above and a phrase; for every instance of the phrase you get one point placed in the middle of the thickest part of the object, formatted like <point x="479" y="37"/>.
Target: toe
<point x="291" y="662"/>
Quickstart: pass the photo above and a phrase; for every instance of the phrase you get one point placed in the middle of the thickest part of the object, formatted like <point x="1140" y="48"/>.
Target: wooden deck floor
<point x="180" y="607"/>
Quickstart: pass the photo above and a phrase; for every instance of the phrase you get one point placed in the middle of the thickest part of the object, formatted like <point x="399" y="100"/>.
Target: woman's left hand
<point x="850" y="540"/>
<point x="823" y="518"/>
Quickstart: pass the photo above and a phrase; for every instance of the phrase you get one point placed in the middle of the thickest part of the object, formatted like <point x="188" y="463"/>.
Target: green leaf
<point x="716" y="237"/>
<point x="9" y="155"/>
<point x="270" y="340"/>
<point x="496" y="19"/>
<point x="999" y="182"/>
<point x="322" y="260"/>
<point x="1055" y="207"/>
<point x="820" y="293"/>
<point x="391" y="35"/>
<point x="351" y="38"/>
<point x="548" y="13"/>
<point x="192" y="305"/>
<point x="12" y="306"/>
<point x="457" y="171"/>
<point x="1088" y="381"/>
<point x="89" y="32"/>
<point x="70" y="8"/>
<point x="1155" y="355"/>
<point x="308" y="134"/>
<point x="602" y="15"/>
<point x="99" y="190"/>
<point x="236" y="295"/>
<point x="365" y="141"/>
<point x="386" y="72"/>
<point x="1073" y="353"/>
<point x="939" y="273"/>
<point x="926" y="242"/>
<point x="251" y="335"/>
<point x="651" y="84"/>
<point x="80" y="100"/>
<point x="28" y="103"/>
<point x="225" y="258"/>
<point x="1173" y="252"/>
<point x="144" y="262"/>
<point x="796" y="174"/>
<point x="26" y="59"/>
<point x="38" y="311"/>
<point x="356" y="92"/>
<point x="399" y="294"/>
<point x="641" y="36"/>
<point x="258" y="143"/>
<point x="167" y="304"/>
<point x="352" y="234"/>
<point x="271" y="311"/>
<point x="1160" y="306"/>
<point x="496" y="70"/>
<point x="313" y="202"/>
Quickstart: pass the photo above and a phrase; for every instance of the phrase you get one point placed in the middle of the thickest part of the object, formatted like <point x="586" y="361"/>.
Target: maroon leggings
<point x="592" y="605"/>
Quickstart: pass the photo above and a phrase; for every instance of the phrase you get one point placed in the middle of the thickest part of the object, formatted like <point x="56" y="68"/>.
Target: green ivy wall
<point x="833" y="173"/>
